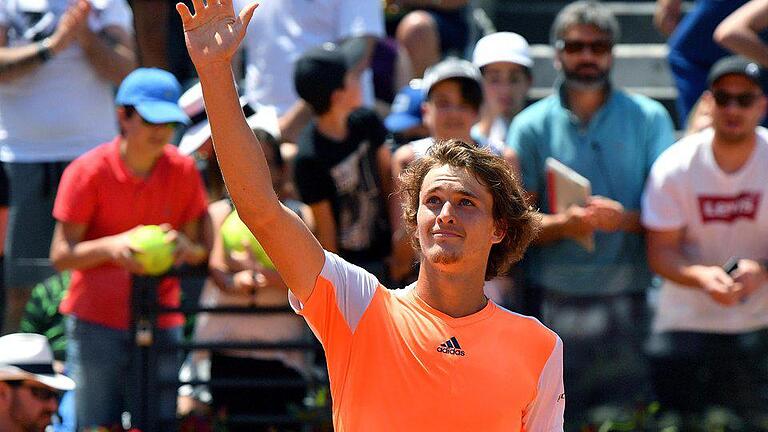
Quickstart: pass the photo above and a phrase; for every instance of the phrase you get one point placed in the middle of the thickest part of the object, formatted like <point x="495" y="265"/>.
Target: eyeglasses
<point x="598" y="47"/>
<point x="743" y="100"/>
<point x="42" y="394"/>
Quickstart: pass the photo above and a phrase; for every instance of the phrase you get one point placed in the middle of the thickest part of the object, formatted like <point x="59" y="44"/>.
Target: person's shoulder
<point x="538" y="337"/>
<point x="644" y="104"/>
<point x="678" y="157"/>
<point x="537" y="111"/>
<point x="171" y="152"/>
<point x="95" y="159"/>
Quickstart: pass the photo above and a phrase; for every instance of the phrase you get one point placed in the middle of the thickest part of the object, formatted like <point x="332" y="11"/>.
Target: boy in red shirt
<point x="136" y="179"/>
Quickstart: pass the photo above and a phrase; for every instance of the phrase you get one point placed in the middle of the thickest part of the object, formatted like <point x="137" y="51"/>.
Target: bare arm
<point x="70" y="252"/>
<point x="293" y="121"/>
<point x="384" y="159"/>
<point x="16" y="62"/>
<point x="667" y="260"/>
<point x="111" y="53"/>
<point x="573" y="223"/>
<point x="213" y="35"/>
<point x="739" y="31"/>
<point x="667" y="16"/>
<point x="325" y="224"/>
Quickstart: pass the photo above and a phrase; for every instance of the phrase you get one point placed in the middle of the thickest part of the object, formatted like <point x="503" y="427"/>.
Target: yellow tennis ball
<point x="235" y="235"/>
<point x="152" y="250"/>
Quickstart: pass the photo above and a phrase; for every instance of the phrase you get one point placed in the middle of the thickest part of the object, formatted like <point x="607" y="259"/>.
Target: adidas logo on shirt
<point x="451" y="346"/>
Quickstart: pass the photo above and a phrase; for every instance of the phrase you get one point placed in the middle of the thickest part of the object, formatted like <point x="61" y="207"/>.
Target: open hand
<point x="214" y="32"/>
<point x="72" y="24"/>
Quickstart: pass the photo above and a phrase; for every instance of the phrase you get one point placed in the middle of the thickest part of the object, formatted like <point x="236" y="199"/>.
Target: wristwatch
<point x="44" y="52"/>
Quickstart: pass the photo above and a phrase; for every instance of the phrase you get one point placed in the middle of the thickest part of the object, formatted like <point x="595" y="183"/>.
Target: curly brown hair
<point x="510" y="208"/>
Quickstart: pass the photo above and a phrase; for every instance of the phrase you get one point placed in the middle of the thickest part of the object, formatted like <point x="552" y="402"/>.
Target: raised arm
<point x="213" y="35"/>
<point x="739" y="31"/>
<point x="18" y="61"/>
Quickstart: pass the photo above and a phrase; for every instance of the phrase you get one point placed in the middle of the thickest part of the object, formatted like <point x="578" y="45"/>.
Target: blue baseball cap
<point x="154" y="93"/>
<point x="406" y="108"/>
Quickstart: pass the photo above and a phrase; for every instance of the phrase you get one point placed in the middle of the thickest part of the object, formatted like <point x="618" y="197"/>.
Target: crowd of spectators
<point x="96" y="141"/>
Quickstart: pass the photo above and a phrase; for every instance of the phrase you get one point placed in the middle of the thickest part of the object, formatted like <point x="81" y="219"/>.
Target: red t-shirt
<point x="98" y="190"/>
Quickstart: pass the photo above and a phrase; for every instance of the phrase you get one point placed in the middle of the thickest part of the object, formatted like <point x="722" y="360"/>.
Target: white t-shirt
<point x="723" y="215"/>
<point x="63" y="108"/>
<point x="282" y="30"/>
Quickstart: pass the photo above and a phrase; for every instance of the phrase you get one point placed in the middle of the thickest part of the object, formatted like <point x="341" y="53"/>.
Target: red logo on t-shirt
<point x="729" y="208"/>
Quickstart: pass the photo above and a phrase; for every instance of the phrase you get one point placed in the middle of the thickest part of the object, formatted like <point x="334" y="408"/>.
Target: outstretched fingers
<point x="246" y="13"/>
<point x="198" y="5"/>
<point x="184" y="13"/>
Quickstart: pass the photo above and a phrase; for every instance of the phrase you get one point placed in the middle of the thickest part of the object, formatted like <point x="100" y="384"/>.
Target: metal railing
<point x="144" y="313"/>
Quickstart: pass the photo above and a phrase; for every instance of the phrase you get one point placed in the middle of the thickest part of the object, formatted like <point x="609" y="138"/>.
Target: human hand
<point x="666" y="16"/>
<point x="244" y="283"/>
<point x="186" y="251"/>
<point x="213" y="33"/>
<point x="720" y="286"/>
<point x="751" y="275"/>
<point x="579" y="222"/>
<point x="122" y="253"/>
<point x="607" y="214"/>
<point x="71" y="25"/>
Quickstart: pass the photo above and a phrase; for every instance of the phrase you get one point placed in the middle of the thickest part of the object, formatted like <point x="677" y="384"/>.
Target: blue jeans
<point x="103" y="363"/>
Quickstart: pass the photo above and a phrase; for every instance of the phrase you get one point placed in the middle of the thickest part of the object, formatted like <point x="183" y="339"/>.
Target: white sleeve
<point x="662" y="205"/>
<point x="545" y="413"/>
<point x="341" y="288"/>
<point x="112" y="13"/>
<point x="360" y="18"/>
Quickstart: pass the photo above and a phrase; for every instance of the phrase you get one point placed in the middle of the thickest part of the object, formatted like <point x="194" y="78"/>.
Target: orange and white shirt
<point x="395" y="363"/>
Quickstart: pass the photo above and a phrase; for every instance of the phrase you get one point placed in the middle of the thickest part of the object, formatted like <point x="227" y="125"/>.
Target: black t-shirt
<point x="346" y="173"/>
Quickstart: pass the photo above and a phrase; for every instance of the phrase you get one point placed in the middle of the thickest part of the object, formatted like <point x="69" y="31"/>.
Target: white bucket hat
<point x="27" y="356"/>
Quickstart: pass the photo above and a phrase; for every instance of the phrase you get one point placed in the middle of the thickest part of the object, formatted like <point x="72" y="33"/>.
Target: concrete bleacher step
<point x="533" y="19"/>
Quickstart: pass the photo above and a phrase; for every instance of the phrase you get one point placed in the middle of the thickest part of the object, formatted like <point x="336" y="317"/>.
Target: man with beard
<point x="29" y="387"/>
<point x="703" y="205"/>
<point x="592" y="298"/>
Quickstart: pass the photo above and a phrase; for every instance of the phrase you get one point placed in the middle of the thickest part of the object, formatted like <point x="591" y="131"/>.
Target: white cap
<point x="502" y="47"/>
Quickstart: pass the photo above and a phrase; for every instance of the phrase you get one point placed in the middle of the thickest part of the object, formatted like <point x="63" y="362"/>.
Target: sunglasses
<point x="599" y="47"/>
<point x="148" y="123"/>
<point x="743" y="100"/>
<point x="42" y="394"/>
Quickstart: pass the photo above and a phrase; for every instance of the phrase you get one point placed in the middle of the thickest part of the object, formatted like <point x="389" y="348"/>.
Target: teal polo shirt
<point x="615" y="151"/>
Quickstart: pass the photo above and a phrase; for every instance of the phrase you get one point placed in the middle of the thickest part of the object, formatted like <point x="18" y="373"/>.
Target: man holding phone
<point x="702" y="205"/>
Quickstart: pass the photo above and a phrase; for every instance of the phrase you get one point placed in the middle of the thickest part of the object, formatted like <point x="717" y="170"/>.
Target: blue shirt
<point x="615" y="151"/>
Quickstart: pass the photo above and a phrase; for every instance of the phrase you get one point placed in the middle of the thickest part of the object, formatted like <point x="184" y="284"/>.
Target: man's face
<point x="446" y="114"/>
<point x="31" y="405"/>
<point x="455" y="218"/>
<point x="506" y="87"/>
<point x="738" y="106"/>
<point x="585" y="57"/>
<point x="150" y="137"/>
